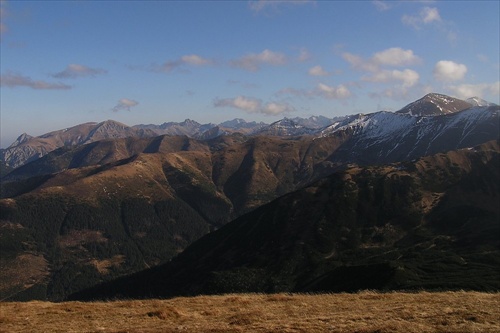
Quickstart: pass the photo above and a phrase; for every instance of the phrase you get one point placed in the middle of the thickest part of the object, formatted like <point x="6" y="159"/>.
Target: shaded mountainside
<point x="428" y="224"/>
<point x="73" y="229"/>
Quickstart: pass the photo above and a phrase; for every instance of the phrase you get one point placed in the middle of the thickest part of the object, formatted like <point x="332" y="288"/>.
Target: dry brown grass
<point x="364" y="312"/>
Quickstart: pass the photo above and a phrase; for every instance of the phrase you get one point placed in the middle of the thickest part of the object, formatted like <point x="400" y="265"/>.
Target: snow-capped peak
<point x="477" y="101"/>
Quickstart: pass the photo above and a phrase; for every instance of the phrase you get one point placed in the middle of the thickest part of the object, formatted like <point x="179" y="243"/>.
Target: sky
<point x="148" y="62"/>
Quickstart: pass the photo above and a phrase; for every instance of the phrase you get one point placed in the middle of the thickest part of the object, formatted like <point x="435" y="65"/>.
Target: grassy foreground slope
<point x="366" y="312"/>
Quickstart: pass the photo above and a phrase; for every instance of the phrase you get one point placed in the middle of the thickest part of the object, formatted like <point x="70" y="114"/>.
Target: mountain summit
<point x="435" y="104"/>
<point x="476" y="101"/>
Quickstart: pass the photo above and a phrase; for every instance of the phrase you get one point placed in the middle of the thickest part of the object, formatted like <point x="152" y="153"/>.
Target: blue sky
<point x="69" y="62"/>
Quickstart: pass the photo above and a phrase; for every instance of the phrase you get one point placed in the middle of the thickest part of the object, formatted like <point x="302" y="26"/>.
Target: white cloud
<point x="464" y="91"/>
<point x="274" y="108"/>
<point x="252" y="62"/>
<point x="253" y="105"/>
<point x="322" y="90"/>
<point x="381" y="5"/>
<point x="260" y="5"/>
<point x="446" y="71"/>
<point x="408" y="77"/>
<point x="394" y="57"/>
<point x="124" y="104"/>
<point x="359" y="63"/>
<point x="317" y="71"/>
<point x="186" y="60"/>
<point x="330" y="92"/>
<point x="13" y="80"/>
<point x="74" y="70"/>
<point x="247" y="104"/>
<point x="193" y="59"/>
<point x="426" y="16"/>
<point x="429" y="15"/>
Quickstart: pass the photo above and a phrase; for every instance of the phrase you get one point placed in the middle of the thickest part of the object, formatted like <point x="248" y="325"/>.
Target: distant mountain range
<point x="87" y="213"/>
<point x="27" y="148"/>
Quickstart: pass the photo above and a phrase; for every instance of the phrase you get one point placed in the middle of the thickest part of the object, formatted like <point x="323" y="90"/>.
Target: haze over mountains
<point x="107" y="200"/>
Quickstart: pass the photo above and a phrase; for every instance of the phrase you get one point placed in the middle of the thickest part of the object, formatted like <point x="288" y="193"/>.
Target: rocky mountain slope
<point x="428" y="224"/>
<point x="385" y="137"/>
<point x="27" y="148"/>
<point x="437" y="104"/>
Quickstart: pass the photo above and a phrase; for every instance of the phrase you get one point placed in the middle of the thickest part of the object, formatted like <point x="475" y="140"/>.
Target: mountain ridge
<point x="26" y="149"/>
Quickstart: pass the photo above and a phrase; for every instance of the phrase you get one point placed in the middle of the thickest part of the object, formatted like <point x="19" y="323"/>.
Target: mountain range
<point x="88" y="213"/>
<point x="27" y="148"/>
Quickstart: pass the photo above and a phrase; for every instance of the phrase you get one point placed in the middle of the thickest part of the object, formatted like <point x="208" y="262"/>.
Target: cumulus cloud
<point x="430" y="17"/>
<point x="322" y="90"/>
<point x="332" y="92"/>
<point x="394" y="57"/>
<point x="186" y="60"/>
<point x="464" y="91"/>
<point x="317" y="71"/>
<point x="426" y="16"/>
<point x="378" y="70"/>
<point x="260" y="5"/>
<point x="124" y="104"/>
<point x="447" y="71"/>
<point x="358" y="63"/>
<point x="253" y="61"/>
<point x="408" y="77"/>
<point x="73" y="71"/>
<point x="196" y="60"/>
<point x="253" y="105"/>
<point x="13" y="80"/>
